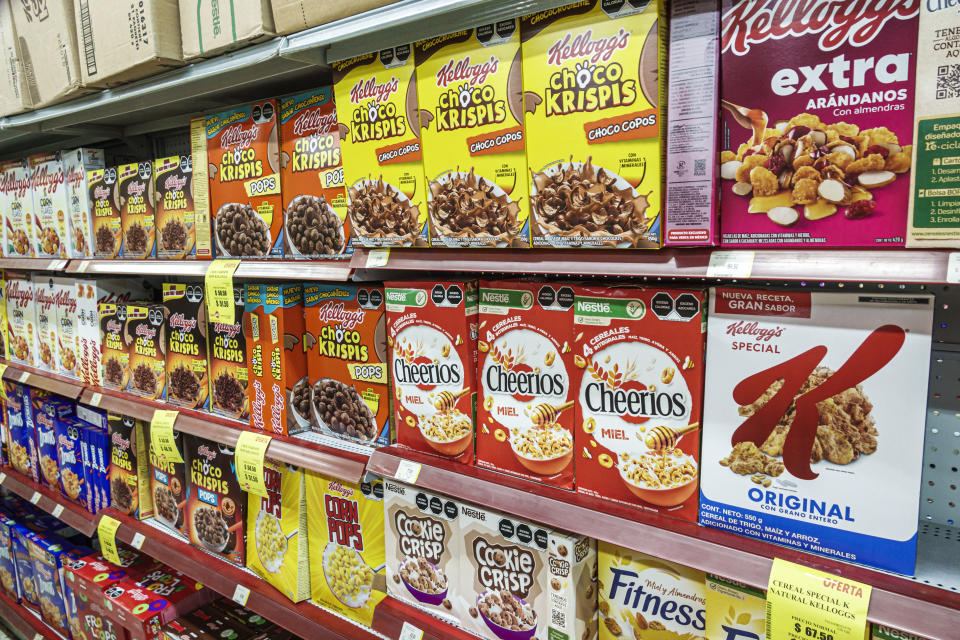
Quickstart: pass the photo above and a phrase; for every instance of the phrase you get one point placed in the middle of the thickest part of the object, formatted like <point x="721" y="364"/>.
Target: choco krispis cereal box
<point x="135" y="197"/>
<point x="594" y="121"/>
<point x="188" y="384"/>
<point x="816" y="148"/>
<point x="182" y="232"/>
<point x="102" y="189"/>
<point x="216" y="504"/>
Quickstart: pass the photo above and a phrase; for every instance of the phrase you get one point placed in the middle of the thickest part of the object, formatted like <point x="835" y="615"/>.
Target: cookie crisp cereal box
<point x="50" y="206"/>
<point x="77" y="163"/>
<point x="21" y="320"/>
<point x="816" y="149"/>
<point x="18" y="222"/>
<point x="379" y="126"/>
<point x="821" y="398"/>
<point x="590" y="79"/>
<point x="734" y="610"/>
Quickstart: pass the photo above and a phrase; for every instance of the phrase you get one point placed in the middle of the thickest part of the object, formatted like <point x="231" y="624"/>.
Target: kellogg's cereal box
<point x="143" y="333"/>
<point x="77" y="163"/>
<point x="315" y="219"/>
<point x="51" y="409"/>
<point x="228" y="364"/>
<point x="816" y="149"/>
<point x="104" y="203"/>
<point x="91" y="334"/>
<point x="243" y="150"/>
<point x="188" y="384"/>
<point x="135" y="197"/>
<point x="8" y="564"/>
<point x="50" y="206"/>
<point x="65" y="295"/>
<point x="168" y="486"/>
<point x="216" y="504"/>
<point x="18" y="219"/>
<point x="641" y="389"/>
<point x="528" y="381"/>
<point x="182" y="232"/>
<point x="471" y="114"/>
<point x="22" y="445"/>
<point x="432" y="338"/>
<point x="380" y="144"/>
<point x="45" y="300"/>
<point x="21" y="319"/>
<point x="129" y="471"/>
<point x="735" y="610"/>
<point x="590" y="79"/>
<point x="68" y="432"/>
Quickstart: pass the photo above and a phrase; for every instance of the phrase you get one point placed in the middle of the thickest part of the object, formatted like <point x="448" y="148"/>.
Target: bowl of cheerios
<point x="349" y="578"/>
<point x="448" y="432"/>
<point x="543" y="449"/>
<point x="663" y="478"/>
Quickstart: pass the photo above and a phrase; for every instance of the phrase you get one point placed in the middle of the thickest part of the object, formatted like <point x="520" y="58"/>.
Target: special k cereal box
<point x="135" y="197"/>
<point x="641" y="389"/>
<point x="228" y="364"/>
<point x="50" y="206"/>
<point x="18" y="225"/>
<point x="650" y="599"/>
<point x="432" y="338"/>
<point x="183" y="233"/>
<point x="590" y="80"/>
<point x="470" y="94"/>
<point x="814" y="406"/>
<point x="816" y="149"/>
<point x="315" y="218"/>
<point x="735" y="610"/>
<point x="104" y="199"/>
<point x="243" y="150"/>
<point x="77" y="163"/>
<point x="21" y="319"/>
<point x="380" y="143"/>
<point x="44" y="295"/>
<point x="528" y="381"/>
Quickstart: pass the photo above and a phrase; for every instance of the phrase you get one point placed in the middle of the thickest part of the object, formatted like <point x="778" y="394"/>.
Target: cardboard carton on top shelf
<point x="14" y="94"/>
<point x="297" y="15"/>
<point x="202" y="26"/>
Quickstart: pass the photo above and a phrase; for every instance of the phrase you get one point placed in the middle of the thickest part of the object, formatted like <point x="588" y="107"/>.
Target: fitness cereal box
<point x="104" y="203"/>
<point x="216" y="504"/>
<point x="44" y="295"/>
<point x="21" y="319"/>
<point x="65" y="295"/>
<point x="649" y="598"/>
<point x="347" y="545"/>
<point x="814" y="405"/>
<point x="346" y="341"/>
<point x="147" y="349"/>
<point x="136" y="200"/>
<point x="129" y="471"/>
<point x="432" y="338"/>
<point x="182" y="232"/>
<point x="50" y="206"/>
<point x="735" y="610"/>
<point x="188" y="384"/>
<point x="528" y="381"/>
<point x="817" y="149"/>
<point x="18" y="222"/>
<point x="228" y="364"/>
<point x="590" y="76"/>
<point x="380" y="143"/>
<point x="471" y="114"/>
<point x="641" y="389"/>
<point x="243" y="150"/>
<point x="169" y="488"/>
<point x="77" y="163"/>
<point x="315" y="220"/>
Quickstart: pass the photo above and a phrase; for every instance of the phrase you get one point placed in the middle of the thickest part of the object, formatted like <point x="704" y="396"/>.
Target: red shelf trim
<point x="28" y="625"/>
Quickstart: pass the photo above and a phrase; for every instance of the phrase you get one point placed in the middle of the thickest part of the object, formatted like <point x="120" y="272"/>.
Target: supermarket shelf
<point x="24" y="621"/>
<point x="50" y="501"/>
<point x="53" y="383"/>
<point x="33" y="264"/>
<point x="911" y="605"/>
<point x="332" y="270"/>
<point x="139" y="267"/>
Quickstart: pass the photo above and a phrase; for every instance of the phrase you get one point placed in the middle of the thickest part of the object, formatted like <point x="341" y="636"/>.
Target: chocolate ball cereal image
<point x="166" y="504"/>
<point x="173" y="236"/>
<point x="465" y="205"/>
<point x="300" y="398"/>
<point x="210" y="528"/>
<point x="144" y="378"/>
<point x="183" y="384"/>
<point x="240" y="231"/>
<point x="228" y="393"/>
<point x="121" y="495"/>
<point x="338" y="407"/>
<point x="312" y="227"/>
<point x="378" y="209"/>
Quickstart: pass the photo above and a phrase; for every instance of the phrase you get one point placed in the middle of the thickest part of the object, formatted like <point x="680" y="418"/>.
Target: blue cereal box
<point x="8" y="565"/>
<point x="21" y="447"/>
<point x="48" y="553"/>
<point x="68" y="432"/>
<point x="26" y="580"/>
<point x="44" y="429"/>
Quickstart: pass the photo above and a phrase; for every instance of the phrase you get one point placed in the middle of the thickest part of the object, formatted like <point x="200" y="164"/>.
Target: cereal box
<point x="5" y="186"/>
<point x="168" y="486"/>
<point x="143" y="333"/>
<point x="77" y="163"/>
<point x="143" y="604"/>
<point x="279" y="548"/>
<point x="432" y="338"/>
<point x="23" y="449"/>
<point x="649" y="598"/>
<point x="380" y="144"/>
<point x="735" y="610"/>
<point x="50" y="206"/>
<point x="243" y="150"/>
<point x="807" y="418"/>
<point x="114" y="355"/>
<point x="315" y="220"/>
<point x="129" y="474"/>
<point x="641" y="389"/>
<point x="228" y="364"/>
<point x="525" y="414"/>
<point x="188" y="384"/>
<point x="47" y="552"/>
<point x="18" y="226"/>
<point x="590" y="79"/>
<point x="68" y="432"/>
<point x="44" y="425"/>
<point x="104" y="203"/>
<point x="471" y="113"/>
<point x="347" y="544"/>
<point x="26" y="574"/>
<point x="346" y="342"/>
<point x="216" y="505"/>
<point x="90" y="295"/>
<point x="21" y="319"/>
<point x="8" y="564"/>
<point x="179" y="236"/>
<point x="135" y="198"/>
<point x="4" y="336"/>
<point x="65" y="296"/>
<point x="44" y="295"/>
<point x="879" y="632"/>
<point x="816" y="149"/>
<point x="424" y="550"/>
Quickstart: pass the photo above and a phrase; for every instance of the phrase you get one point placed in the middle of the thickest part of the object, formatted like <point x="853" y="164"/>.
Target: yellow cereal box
<point x="277" y="537"/>
<point x="734" y="610"/>
<point x="594" y="123"/>
<point x="347" y="554"/>
<point x="471" y="115"/>
<point x="376" y="97"/>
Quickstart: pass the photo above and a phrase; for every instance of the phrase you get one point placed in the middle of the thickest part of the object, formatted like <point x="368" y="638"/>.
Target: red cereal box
<point x="527" y="380"/>
<point x="142" y="605"/>
<point x="432" y="340"/>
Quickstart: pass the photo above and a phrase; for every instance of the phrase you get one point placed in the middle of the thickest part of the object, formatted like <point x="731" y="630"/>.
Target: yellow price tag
<point x="248" y="456"/>
<point x="107" y="532"/>
<point x="806" y="604"/>
<point x="161" y="435"/>
<point x="219" y="289"/>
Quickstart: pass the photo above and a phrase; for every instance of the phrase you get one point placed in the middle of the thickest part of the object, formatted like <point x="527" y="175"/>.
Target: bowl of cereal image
<point x="210" y="529"/>
<point x="447" y="432"/>
<point x="347" y="575"/>
<point x="311" y="227"/>
<point x="271" y="542"/>
<point x="298" y="399"/>
<point x="507" y="616"/>
<point x="338" y="408"/>
<point x="545" y="450"/>
<point x="665" y="479"/>
<point x="166" y="508"/>
<point x="240" y="231"/>
<point x="424" y="580"/>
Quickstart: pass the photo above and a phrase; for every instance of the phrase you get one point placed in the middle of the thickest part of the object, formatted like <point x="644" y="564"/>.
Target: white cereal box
<point x="21" y="320"/>
<point x="65" y="297"/>
<point x="50" y="217"/>
<point x="44" y="296"/>
<point x="76" y="164"/>
<point x="18" y="219"/>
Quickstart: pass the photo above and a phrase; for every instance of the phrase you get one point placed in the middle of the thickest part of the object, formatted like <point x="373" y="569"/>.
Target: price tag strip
<point x="218" y="282"/>
<point x="407" y="471"/>
<point x="730" y="264"/>
<point x="248" y="456"/>
<point x="107" y="532"/>
<point x="161" y="435"/>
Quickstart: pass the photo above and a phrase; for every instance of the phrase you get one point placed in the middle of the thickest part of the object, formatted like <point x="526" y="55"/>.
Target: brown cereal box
<point x="432" y="339"/>
<point x="591" y="74"/>
<point x="640" y="352"/>
<point x="346" y="341"/>
<point x="65" y="296"/>
<point x="102" y="185"/>
<point x="179" y="228"/>
<point x="18" y="222"/>
<point x="50" y="206"/>
<point x="136" y="200"/>
<point x="188" y="384"/>
<point x="129" y="473"/>
<point x="527" y="380"/>
<point x="380" y="144"/>
<point x="228" y="364"/>
<point x="21" y="319"/>
<point x="77" y="163"/>
<point x="114" y="354"/>
<point x="243" y="150"/>
<point x="44" y="296"/>
<point x="216" y="504"/>
<point x="91" y="336"/>
<point x="143" y="333"/>
<point x="168" y="488"/>
<point x="471" y="112"/>
<point x="315" y="220"/>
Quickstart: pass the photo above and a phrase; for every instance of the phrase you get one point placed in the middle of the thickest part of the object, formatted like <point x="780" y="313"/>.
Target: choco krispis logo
<point x="588" y="79"/>
<point x="466" y="100"/>
<point x="375" y="116"/>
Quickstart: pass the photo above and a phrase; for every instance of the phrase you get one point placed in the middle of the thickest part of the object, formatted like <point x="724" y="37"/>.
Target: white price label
<point x="730" y="264"/>
<point x="137" y="541"/>
<point x="407" y="471"/>
<point x="95" y="400"/>
<point x="378" y="258"/>
<point x="35" y="498"/>
<point x="23" y="376"/>
<point x="240" y="595"/>
<point x="953" y="267"/>
<point x="38" y="636"/>
<point x="57" y="510"/>
<point x="410" y="632"/>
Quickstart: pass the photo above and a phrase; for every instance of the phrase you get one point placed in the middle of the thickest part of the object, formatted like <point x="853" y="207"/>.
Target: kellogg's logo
<point x="314" y="121"/>
<point x="228" y="330"/>
<point x="465" y="71"/>
<point x="175" y="182"/>
<point x="182" y="323"/>
<point x="335" y="312"/>
<point x="46" y="179"/>
<point x="744" y="328"/>
<point x="20" y="295"/>
<point x="583" y="45"/>
<point x="370" y="88"/>
<point x="237" y="136"/>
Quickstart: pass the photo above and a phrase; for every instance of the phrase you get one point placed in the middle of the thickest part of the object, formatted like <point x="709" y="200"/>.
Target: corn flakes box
<point x="65" y="297"/>
<point x="380" y="143"/>
<point x="45" y="300"/>
<point x="103" y="191"/>
<point x="649" y="598"/>
<point x="129" y="479"/>
<point x="169" y="488"/>
<point x="348" y="550"/>
<point x="50" y="206"/>
<point x="19" y="220"/>
<point x="77" y="163"/>
<point x="735" y="610"/>
<point x="4" y="336"/>
<point x="594" y="73"/>
<point x="21" y="320"/>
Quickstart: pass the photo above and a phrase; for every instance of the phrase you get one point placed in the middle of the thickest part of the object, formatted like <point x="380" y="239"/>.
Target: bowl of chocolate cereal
<point x="210" y="529"/>
<point x="507" y="616"/>
<point x="312" y="228"/>
<point x="468" y="209"/>
<point x="166" y="508"/>
<point x="378" y="210"/>
<point x="424" y="580"/>
<point x="240" y="231"/>
<point x="337" y="407"/>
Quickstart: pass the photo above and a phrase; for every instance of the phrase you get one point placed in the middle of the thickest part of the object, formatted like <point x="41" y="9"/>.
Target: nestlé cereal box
<point x="136" y="200"/>
<point x="65" y="294"/>
<point x="188" y="384"/>
<point x="228" y="364"/>
<point x="641" y="390"/>
<point x="50" y="206"/>
<point x="21" y="319"/>
<point x="129" y="466"/>
<point x="471" y="114"/>
<point x="315" y="220"/>
<point x="880" y="632"/>
<point x="181" y="233"/>
<point x="168" y="486"/>
<point x="594" y="122"/>
<point x="243" y="150"/>
<point x="816" y="149"/>
<point x="432" y="339"/>
<point x="735" y="610"/>
<point x="143" y="333"/>
<point x="380" y="144"/>
<point x="216" y="504"/>
<point x="104" y="203"/>
<point x="814" y="406"/>
<point x="45" y="300"/>
<point x="77" y="164"/>
<point x="18" y="222"/>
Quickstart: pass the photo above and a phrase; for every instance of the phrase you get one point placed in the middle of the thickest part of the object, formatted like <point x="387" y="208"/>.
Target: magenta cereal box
<point x="816" y="127"/>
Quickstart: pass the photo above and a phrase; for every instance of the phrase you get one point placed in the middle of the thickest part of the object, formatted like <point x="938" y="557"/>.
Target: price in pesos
<point x="811" y="632"/>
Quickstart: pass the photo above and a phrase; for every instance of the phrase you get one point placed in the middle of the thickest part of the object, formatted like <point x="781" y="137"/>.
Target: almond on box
<point x="104" y="203"/>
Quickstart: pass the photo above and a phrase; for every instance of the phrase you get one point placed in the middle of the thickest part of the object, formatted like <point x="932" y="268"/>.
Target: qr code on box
<point x="948" y="81"/>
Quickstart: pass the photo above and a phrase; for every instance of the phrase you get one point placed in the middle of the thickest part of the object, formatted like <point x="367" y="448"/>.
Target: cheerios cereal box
<point x="18" y="223"/>
<point x="21" y="319"/>
<point x="735" y="611"/>
<point x="527" y="380"/>
<point x="51" y="208"/>
<point x="650" y="599"/>
<point x="816" y="149"/>
<point x="638" y="411"/>
<point x="277" y="539"/>
<point x="347" y="548"/>
<point x="595" y="115"/>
